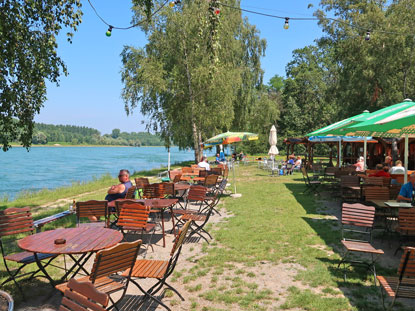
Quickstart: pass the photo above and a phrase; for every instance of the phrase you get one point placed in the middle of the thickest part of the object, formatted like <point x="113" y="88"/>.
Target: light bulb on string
<point x="109" y="31"/>
<point x="367" y="37"/>
<point x="286" y="24"/>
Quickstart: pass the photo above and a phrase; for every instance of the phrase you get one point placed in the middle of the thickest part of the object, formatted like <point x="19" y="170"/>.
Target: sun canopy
<point x="231" y="137"/>
<point x="349" y="139"/>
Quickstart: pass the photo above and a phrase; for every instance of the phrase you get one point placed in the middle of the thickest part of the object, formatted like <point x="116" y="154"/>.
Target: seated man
<point x="204" y="163"/>
<point x="406" y="191"/>
<point x="119" y="191"/>
<point x="398" y="168"/>
<point x="382" y="171"/>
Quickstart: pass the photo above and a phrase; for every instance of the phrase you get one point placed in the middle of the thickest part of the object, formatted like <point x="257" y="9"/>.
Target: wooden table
<point x="83" y="241"/>
<point x="160" y="204"/>
<point x="390" y="209"/>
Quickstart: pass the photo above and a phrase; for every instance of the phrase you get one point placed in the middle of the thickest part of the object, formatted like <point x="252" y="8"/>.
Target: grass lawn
<point x="274" y="227"/>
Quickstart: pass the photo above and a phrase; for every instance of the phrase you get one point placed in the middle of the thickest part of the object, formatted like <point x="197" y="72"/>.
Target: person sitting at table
<point x="388" y="161"/>
<point x="382" y="171"/>
<point x="406" y="190"/>
<point x="217" y="160"/>
<point x="360" y="164"/>
<point x="398" y="168"/>
<point x="204" y="163"/>
<point x="297" y="163"/>
<point x="119" y="191"/>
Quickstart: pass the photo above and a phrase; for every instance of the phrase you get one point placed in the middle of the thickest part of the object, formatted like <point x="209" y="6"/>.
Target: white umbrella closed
<point x="273" y="151"/>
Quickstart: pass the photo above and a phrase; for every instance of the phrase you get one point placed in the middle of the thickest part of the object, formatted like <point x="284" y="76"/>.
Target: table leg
<point x="162" y="226"/>
<point x="77" y="263"/>
<point x="172" y="220"/>
<point x="42" y="268"/>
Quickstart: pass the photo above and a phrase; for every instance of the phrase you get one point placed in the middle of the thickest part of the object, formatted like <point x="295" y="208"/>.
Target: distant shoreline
<point x="59" y="145"/>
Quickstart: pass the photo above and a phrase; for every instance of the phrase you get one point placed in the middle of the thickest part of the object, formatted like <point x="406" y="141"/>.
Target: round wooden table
<point x="82" y="240"/>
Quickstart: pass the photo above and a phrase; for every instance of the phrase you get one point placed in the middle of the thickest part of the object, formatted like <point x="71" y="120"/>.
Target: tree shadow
<point x="359" y="287"/>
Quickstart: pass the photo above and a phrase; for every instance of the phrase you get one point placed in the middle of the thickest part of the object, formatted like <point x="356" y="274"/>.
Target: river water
<point x="51" y="167"/>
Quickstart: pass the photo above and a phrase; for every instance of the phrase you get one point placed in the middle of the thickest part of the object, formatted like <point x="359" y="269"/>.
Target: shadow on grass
<point x="359" y="287"/>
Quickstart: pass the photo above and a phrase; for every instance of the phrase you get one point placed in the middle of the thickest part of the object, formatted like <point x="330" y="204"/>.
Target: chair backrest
<point x="141" y="182"/>
<point x="331" y="169"/>
<point x="407" y="265"/>
<point x="386" y="181"/>
<point x="177" y="178"/>
<point x="203" y="173"/>
<point x="349" y="181"/>
<point x="133" y="215"/>
<point x="91" y="208"/>
<point x="358" y="215"/>
<point x="394" y="191"/>
<point x="166" y="189"/>
<point x="16" y="220"/>
<point x="119" y="203"/>
<point x="340" y="173"/>
<point x="151" y="191"/>
<point x="210" y="181"/>
<point x="370" y="172"/>
<point x="118" y="258"/>
<point x="216" y="171"/>
<point x="83" y="296"/>
<point x="398" y="177"/>
<point x="130" y="193"/>
<point x="196" y="193"/>
<point x="376" y="181"/>
<point x="406" y="219"/>
<point x="187" y="170"/>
<point x="226" y="172"/>
<point x="376" y="193"/>
<point x="180" y="238"/>
<point x="194" y="166"/>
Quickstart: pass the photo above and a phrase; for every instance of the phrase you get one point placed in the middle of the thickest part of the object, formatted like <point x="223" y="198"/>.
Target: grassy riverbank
<point x="277" y="249"/>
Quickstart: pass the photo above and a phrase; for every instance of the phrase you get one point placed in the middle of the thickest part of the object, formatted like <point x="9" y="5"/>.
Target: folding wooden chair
<point x="151" y="192"/>
<point x="216" y="171"/>
<point x="111" y="270"/>
<point x="134" y="218"/>
<point x="159" y="270"/>
<point x="13" y="223"/>
<point x="357" y="221"/>
<point x="350" y="188"/>
<point x="406" y="226"/>
<point x="92" y="208"/>
<point x="312" y="185"/>
<point x="140" y="183"/>
<point x="130" y="193"/>
<point x="376" y="193"/>
<point x="402" y="286"/>
<point x="83" y="296"/>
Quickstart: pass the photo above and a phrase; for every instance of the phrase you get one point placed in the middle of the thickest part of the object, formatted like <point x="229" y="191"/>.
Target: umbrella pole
<point x="365" y="150"/>
<point x="406" y="159"/>
<point x="233" y="172"/>
<point x="168" y="161"/>
<point x="340" y="153"/>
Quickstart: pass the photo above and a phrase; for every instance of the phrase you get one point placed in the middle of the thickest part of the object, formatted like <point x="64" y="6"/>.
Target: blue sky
<point x="91" y="94"/>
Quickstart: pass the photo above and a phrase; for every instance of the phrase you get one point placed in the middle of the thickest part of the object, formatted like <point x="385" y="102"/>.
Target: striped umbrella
<point x="230" y="138"/>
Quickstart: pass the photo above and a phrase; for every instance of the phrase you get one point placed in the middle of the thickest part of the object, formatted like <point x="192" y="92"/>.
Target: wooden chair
<point x="210" y="181"/>
<point x="373" y="181"/>
<point x="399" y="178"/>
<point x="13" y="223"/>
<point x="406" y="226"/>
<point x="312" y="185"/>
<point x="177" y="178"/>
<point x="130" y="193"/>
<point x="403" y="285"/>
<point x="350" y="188"/>
<point x="394" y="191"/>
<point x="134" y="218"/>
<point x="83" y="296"/>
<point x="151" y="192"/>
<point x="198" y="221"/>
<point x="194" y="166"/>
<point x="376" y="193"/>
<point x="141" y="182"/>
<point x="203" y="173"/>
<point x="187" y="170"/>
<point x="117" y="260"/>
<point x="92" y="208"/>
<point x="166" y="189"/>
<point x="159" y="270"/>
<point x="216" y="171"/>
<point x="357" y="219"/>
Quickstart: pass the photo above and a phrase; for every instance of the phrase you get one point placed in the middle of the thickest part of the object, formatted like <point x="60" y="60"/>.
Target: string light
<point x="367" y="37"/>
<point x="286" y="24"/>
<point x="109" y="31"/>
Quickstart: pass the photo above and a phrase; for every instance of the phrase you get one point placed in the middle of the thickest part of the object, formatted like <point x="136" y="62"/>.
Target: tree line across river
<point x="82" y="135"/>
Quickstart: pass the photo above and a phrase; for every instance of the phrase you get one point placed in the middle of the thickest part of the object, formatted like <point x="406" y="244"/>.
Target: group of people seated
<point x="384" y="169"/>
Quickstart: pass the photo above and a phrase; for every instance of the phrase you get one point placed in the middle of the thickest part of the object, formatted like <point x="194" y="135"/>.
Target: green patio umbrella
<point x="230" y="138"/>
<point x="335" y="128"/>
<point x="393" y="121"/>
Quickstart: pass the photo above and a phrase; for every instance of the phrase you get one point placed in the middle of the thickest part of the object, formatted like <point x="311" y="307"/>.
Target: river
<point x="52" y="167"/>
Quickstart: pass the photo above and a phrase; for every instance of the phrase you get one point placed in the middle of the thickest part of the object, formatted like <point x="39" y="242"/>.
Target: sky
<point x="91" y="94"/>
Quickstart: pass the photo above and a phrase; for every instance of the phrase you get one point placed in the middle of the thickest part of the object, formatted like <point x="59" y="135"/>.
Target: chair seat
<point x="406" y="287"/>
<point x="363" y="247"/>
<point x="27" y="257"/>
<point x="104" y="284"/>
<point x="194" y="217"/>
<point x="145" y="268"/>
<point x="95" y="224"/>
<point x="147" y="228"/>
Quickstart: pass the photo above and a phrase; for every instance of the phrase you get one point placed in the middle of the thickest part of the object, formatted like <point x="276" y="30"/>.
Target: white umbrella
<point x="273" y="151"/>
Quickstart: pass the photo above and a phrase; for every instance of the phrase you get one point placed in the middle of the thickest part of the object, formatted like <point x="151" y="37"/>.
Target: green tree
<point x="172" y="79"/>
<point x="28" y="31"/>
<point x="115" y="133"/>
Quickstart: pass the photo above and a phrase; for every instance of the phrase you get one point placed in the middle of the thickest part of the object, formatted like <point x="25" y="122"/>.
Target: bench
<point x="38" y="224"/>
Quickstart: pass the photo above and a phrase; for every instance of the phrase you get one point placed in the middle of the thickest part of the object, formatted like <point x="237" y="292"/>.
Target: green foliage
<point x="71" y="134"/>
<point x="28" y="31"/>
<point x="172" y="80"/>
